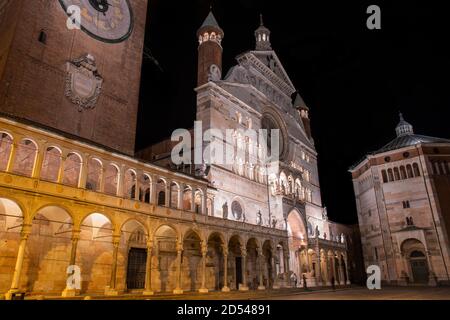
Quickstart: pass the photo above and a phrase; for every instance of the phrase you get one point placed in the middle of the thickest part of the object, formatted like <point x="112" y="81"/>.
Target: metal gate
<point x="137" y="259"/>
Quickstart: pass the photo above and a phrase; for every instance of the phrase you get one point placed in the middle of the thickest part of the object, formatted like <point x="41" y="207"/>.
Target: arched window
<point x="161" y="192"/>
<point x="162" y="198"/>
<point x="187" y="198"/>
<point x="384" y="175"/>
<point x="51" y="164"/>
<point x="130" y="184"/>
<point x="396" y="174"/>
<point x="95" y="168"/>
<point x="111" y="179"/>
<point x="409" y="171"/>
<point x="72" y="170"/>
<point x="416" y="170"/>
<point x="403" y="175"/>
<point x="5" y="150"/>
<point x="198" y="202"/>
<point x="25" y="158"/>
<point x="390" y="175"/>
<point x="145" y="187"/>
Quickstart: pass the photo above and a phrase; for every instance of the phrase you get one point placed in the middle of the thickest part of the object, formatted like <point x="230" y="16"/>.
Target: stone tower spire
<point x="262" y="35"/>
<point x="210" y="50"/>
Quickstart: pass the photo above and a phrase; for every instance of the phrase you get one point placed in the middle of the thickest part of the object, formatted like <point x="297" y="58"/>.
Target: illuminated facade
<point x="71" y="197"/>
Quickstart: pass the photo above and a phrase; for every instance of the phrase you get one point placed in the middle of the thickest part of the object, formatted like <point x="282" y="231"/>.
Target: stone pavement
<point x="346" y="293"/>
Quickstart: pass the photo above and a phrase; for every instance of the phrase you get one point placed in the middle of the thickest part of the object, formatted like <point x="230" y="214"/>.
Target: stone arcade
<point x="72" y="195"/>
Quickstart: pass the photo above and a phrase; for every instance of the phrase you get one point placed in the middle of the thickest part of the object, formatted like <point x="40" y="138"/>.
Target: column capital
<point x="225" y="249"/>
<point x="150" y="244"/>
<point x="26" y="231"/>
<point x="116" y="240"/>
<point x="204" y="248"/>
<point x="76" y="235"/>
<point x="243" y="251"/>
<point x="179" y="247"/>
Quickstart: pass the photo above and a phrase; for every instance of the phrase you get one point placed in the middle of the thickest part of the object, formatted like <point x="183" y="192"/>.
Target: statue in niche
<point x="225" y="210"/>
<point x="317" y="232"/>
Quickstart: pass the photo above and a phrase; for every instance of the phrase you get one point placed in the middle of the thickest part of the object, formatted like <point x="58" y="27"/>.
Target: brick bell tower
<point x="210" y="50"/>
<point x="74" y="66"/>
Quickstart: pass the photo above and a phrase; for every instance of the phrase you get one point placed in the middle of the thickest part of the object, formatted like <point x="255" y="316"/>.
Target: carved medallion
<point x="83" y="82"/>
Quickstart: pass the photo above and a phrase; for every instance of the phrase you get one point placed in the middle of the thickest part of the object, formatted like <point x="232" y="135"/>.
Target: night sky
<point x="354" y="80"/>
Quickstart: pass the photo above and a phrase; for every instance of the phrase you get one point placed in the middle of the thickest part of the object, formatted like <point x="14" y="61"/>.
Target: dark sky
<point x="354" y="80"/>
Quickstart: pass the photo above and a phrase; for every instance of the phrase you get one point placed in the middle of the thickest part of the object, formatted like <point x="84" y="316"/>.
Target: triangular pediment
<point x="271" y="60"/>
<point x="268" y="64"/>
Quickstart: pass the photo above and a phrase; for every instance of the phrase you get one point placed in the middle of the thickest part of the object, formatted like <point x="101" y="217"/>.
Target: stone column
<point x="341" y="271"/>
<point x="432" y="275"/>
<point x="154" y="194"/>
<point x="111" y="289"/>
<point x="148" y="291"/>
<point x="261" y="269"/>
<point x="286" y="267"/>
<point x="333" y="261"/>
<point x="180" y="196"/>
<point x="12" y="157"/>
<point x="225" y="269"/>
<point x="102" y="179"/>
<point x="346" y="270"/>
<point x="276" y="285"/>
<point x="38" y="164"/>
<point x="137" y="188"/>
<point x="25" y="233"/>
<point x="69" y="291"/>
<point x="178" y="289"/>
<point x="203" y="288"/>
<point x="193" y="200"/>
<point x="61" y="169"/>
<point x="204" y="210"/>
<point x="244" y="287"/>
<point x="327" y="270"/>
<point x="83" y="174"/>
<point x="168" y="194"/>
<point x="318" y="270"/>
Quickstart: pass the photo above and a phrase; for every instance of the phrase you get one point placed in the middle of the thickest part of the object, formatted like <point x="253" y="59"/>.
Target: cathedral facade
<point x="403" y="208"/>
<point x="80" y="213"/>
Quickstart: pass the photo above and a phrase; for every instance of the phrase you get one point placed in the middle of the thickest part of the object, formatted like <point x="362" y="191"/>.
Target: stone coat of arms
<point x="83" y="82"/>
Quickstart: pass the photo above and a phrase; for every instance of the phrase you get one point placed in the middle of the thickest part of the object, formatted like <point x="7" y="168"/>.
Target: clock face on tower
<point x="105" y="20"/>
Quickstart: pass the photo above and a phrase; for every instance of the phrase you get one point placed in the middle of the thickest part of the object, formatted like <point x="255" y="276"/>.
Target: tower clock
<point x="105" y="20"/>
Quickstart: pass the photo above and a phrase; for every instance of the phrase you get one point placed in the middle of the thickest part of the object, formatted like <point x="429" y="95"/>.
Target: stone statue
<point x="259" y="218"/>
<point x="317" y="232"/>
<point x="325" y="213"/>
<point x="274" y="223"/>
<point x="225" y="210"/>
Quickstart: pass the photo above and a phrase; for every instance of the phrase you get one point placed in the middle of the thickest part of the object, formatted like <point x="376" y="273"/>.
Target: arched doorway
<point x="419" y="267"/>
<point x="191" y="262"/>
<point x="236" y="262"/>
<point x="215" y="262"/>
<point x="165" y="276"/>
<point x="414" y="252"/>
<point x="136" y="243"/>
<point x="297" y="239"/>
